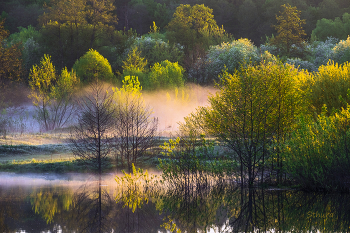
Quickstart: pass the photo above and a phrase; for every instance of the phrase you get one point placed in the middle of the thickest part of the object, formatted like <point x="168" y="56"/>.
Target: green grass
<point x="57" y="158"/>
<point x="55" y="166"/>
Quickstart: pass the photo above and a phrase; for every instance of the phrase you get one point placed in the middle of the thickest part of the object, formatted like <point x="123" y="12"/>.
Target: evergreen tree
<point x="289" y="29"/>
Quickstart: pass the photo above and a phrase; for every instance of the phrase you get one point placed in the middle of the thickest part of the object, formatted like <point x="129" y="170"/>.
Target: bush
<point x="342" y="51"/>
<point x="300" y="64"/>
<point x="93" y="65"/>
<point x="165" y="75"/>
<point x="316" y="155"/>
<point x="329" y="86"/>
<point x="228" y="56"/>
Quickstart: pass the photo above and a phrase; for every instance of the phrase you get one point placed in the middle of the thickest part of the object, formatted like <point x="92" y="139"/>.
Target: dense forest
<point x="280" y="69"/>
<point x="66" y="30"/>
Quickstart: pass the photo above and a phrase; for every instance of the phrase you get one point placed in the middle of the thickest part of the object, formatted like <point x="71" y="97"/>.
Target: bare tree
<point x="92" y="137"/>
<point x="135" y="128"/>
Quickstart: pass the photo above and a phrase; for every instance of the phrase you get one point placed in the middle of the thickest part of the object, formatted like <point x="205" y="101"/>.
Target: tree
<point x="254" y="109"/>
<point x="70" y="28"/>
<point x="93" y="65"/>
<point x="289" y="29"/>
<point x="135" y="129"/>
<point x="338" y="28"/>
<point x="10" y="59"/>
<point x="91" y="138"/>
<point x="195" y="28"/>
<point x="52" y="94"/>
<point x="226" y="56"/>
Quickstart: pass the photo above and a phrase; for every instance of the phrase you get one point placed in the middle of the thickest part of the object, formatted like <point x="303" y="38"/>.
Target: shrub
<point x="165" y="75"/>
<point x="329" y="86"/>
<point x="342" y="51"/>
<point x="316" y="155"/>
<point x="93" y="65"/>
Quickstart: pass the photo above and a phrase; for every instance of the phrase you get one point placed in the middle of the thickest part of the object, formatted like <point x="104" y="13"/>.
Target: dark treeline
<point x="242" y="18"/>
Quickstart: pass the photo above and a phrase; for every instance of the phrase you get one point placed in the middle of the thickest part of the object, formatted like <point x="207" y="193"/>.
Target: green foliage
<point x="165" y="75"/>
<point x="134" y="61"/>
<point x="195" y="26"/>
<point x="341" y="51"/>
<point x="52" y="94"/>
<point x="329" y="86"/>
<point x="70" y="28"/>
<point x="31" y="50"/>
<point x="10" y="62"/>
<point x="41" y="80"/>
<point x="316" y="155"/>
<point x="93" y="66"/>
<point x="289" y="29"/>
<point x="254" y="108"/>
<point x="338" y="28"/>
<point x="156" y="50"/>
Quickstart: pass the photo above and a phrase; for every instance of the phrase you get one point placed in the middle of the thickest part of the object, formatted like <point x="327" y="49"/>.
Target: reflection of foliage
<point x="47" y="203"/>
<point x="190" y="160"/>
<point x="134" y="195"/>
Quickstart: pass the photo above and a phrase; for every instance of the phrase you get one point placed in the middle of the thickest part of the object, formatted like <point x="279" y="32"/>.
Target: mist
<point x="171" y="106"/>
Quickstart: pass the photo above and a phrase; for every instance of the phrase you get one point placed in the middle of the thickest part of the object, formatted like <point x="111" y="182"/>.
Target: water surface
<point x="83" y="203"/>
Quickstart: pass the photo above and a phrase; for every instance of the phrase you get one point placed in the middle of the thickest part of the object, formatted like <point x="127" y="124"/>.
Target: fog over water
<point x="169" y="106"/>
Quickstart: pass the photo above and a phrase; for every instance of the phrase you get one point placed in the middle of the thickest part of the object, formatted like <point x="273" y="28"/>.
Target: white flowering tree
<point x="226" y="56"/>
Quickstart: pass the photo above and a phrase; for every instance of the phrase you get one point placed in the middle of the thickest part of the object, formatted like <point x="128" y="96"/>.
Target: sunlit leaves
<point x="93" y="66"/>
<point x="289" y="29"/>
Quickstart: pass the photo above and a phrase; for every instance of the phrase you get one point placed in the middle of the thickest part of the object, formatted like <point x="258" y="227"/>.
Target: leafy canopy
<point x="93" y="65"/>
<point x="289" y="29"/>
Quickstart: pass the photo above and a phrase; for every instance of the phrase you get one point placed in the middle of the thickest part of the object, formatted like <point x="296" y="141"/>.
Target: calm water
<point x="82" y="203"/>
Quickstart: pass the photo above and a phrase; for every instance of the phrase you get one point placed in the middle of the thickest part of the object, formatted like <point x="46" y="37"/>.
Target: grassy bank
<point x="56" y="158"/>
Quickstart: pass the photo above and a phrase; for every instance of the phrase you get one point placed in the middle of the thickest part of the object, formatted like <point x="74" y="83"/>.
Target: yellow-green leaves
<point x="41" y="80"/>
<point x="52" y="94"/>
<point x="289" y="28"/>
<point x="194" y="25"/>
<point x="330" y="86"/>
<point x="165" y="75"/>
<point x="134" y="61"/>
<point x="93" y="65"/>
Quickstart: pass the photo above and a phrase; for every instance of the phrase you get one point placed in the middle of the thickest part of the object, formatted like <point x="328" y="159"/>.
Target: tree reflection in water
<point x="157" y="207"/>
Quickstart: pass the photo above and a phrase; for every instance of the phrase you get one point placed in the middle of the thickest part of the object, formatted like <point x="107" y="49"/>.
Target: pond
<point x="85" y="203"/>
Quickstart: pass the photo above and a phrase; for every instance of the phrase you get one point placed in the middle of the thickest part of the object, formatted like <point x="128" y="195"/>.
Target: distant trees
<point x="10" y="59"/>
<point x="195" y="28"/>
<point x="338" y="28"/>
<point x="289" y="30"/>
<point x="71" y="28"/>
<point x="226" y="56"/>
